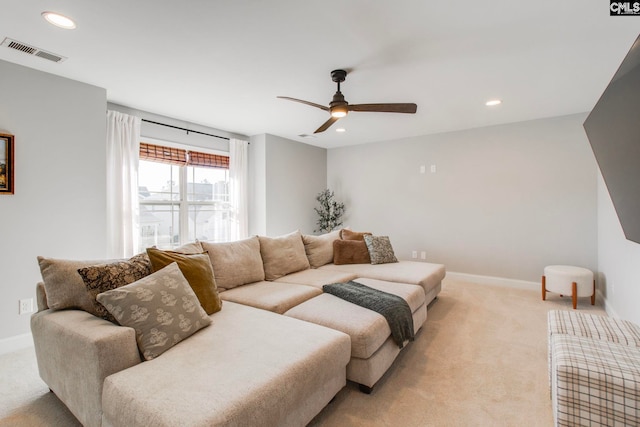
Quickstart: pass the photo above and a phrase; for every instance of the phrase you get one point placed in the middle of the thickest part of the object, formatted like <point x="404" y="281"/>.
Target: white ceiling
<point x="222" y="63"/>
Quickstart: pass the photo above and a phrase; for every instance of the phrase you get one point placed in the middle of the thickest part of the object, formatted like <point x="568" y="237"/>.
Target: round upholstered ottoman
<point x="569" y="280"/>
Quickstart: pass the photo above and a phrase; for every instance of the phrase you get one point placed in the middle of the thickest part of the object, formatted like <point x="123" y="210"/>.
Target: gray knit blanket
<point x="393" y="308"/>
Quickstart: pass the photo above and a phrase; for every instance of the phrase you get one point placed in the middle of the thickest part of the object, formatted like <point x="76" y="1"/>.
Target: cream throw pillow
<point x="282" y="255"/>
<point x="235" y="263"/>
<point x="162" y="308"/>
<point x="319" y="249"/>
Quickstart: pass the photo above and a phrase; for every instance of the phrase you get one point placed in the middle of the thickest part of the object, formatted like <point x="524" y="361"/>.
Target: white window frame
<point x="183" y="202"/>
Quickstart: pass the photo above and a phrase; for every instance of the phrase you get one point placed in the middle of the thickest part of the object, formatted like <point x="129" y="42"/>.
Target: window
<point x="184" y="196"/>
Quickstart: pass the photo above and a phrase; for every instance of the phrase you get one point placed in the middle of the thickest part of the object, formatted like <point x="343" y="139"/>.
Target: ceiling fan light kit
<point x="339" y="107"/>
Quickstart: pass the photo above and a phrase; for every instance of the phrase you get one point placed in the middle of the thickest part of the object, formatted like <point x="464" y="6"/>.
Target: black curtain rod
<point x="187" y="130"/>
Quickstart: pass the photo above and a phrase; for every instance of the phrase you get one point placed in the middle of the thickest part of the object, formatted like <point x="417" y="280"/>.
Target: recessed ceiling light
<point x="493" y="102"/>
<point x="341" y="130"/>
<point x="59" y="20"/>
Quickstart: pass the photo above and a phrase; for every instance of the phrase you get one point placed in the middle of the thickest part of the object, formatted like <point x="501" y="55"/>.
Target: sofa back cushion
<point x="196" y="268"/>
<point x="63" y="284"/>
<point x="235" y="263"/>
<point x="190" y="248"/>
<point x="319" y="249"/>
<point x="283" y="255"/>
<point x="64" y="287"/>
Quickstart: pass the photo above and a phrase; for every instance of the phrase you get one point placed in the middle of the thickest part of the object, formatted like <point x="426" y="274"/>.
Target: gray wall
<point x="286" y="177"/>
<point x="505" y="200"/>
<point x="58" y="209"/>
<point x="618" y="261"/>
<point x="258" y="185"/>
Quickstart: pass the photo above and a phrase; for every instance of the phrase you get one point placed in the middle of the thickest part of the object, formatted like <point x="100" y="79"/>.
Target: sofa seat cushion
<point x="273" y="296"/>
<point x="412" y="294"/>
<point x="368" y="330"/>
<point x="250" y="367"/>
<point x="317" y="278"/>
<point x="425" y="274"/>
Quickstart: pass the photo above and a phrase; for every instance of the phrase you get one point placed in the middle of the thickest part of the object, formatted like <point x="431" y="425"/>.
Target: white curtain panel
<point x="238" y="177"/>
<point x="123" y="150"/>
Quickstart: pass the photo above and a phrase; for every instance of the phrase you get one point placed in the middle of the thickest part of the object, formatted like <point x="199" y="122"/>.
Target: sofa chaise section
<point x="373" y="350"/>
<point x="427" y="275"/>
<point x="250" y="367"/>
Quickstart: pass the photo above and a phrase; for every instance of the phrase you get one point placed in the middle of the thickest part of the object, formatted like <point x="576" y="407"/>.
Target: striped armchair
<point x="594" y="370"/>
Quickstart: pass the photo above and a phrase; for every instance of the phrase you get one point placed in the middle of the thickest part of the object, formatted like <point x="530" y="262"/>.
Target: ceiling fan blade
<point x="385" y="108"/>
<point x="313" y="104"/>
<point x="327" y="124"/>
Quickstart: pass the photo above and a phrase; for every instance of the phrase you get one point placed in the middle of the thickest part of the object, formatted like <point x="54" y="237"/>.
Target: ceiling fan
<point x="339" y="107"/>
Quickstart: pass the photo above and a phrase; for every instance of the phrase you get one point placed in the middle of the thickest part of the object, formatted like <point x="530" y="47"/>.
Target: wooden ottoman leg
<point x="544" y="288"/>
<point x="593" y="295"/>
<point x="574" y="294"/>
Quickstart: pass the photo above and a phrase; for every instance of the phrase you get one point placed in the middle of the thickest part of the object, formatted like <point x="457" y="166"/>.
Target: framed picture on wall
<point x="6" y="164"/>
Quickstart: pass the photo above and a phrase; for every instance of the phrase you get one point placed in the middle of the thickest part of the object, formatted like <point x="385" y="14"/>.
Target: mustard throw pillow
<point x="196" y="269"/>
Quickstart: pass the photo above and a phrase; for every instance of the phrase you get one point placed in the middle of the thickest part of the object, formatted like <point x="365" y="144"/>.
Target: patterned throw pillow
<point x="380" y="249"/>
<point x="162" y="308"/>
<point x="104" y="277"/>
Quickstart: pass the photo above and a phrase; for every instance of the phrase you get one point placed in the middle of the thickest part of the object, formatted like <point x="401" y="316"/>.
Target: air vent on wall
<point x="31" y="50"/>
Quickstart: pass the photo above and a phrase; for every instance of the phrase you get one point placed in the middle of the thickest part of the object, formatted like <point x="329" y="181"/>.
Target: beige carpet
<point x="480" y="360"/>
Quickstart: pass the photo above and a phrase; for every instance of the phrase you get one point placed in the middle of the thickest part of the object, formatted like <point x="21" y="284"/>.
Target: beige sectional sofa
<point x="275" y="354"/>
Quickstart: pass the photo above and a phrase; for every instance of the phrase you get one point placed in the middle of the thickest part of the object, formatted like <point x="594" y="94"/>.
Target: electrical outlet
<point x="414" y="254"/>
<point x="25" y="306"/>
<point x="423" y="255"/>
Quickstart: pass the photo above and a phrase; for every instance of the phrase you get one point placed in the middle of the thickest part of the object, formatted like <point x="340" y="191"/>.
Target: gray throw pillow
<point x="162" y="308"/>
<point x="380" y="249"/>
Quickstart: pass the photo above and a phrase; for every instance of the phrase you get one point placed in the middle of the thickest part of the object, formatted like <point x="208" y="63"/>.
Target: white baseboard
<point x="11" y="344"/>
<point x="489" y="280"/>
